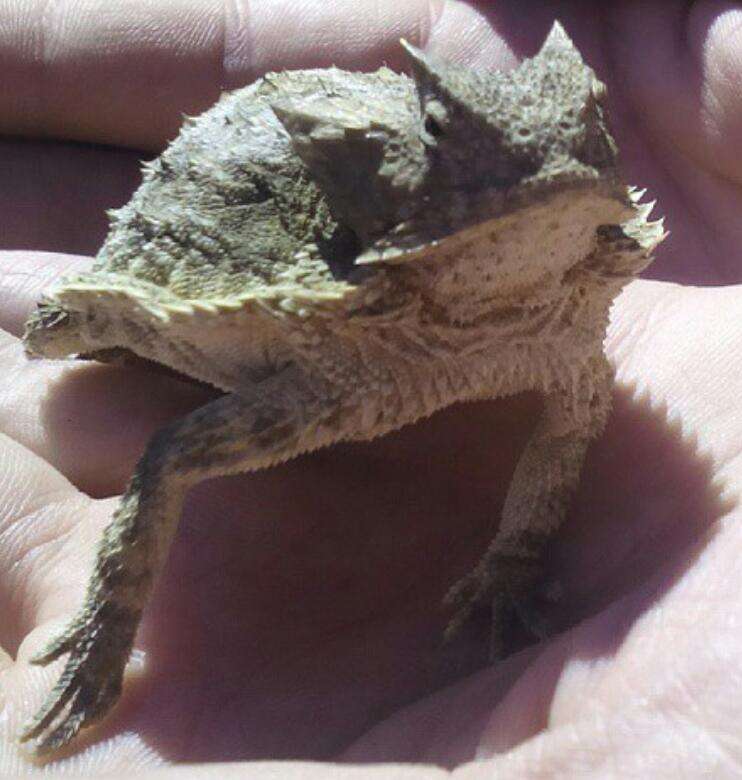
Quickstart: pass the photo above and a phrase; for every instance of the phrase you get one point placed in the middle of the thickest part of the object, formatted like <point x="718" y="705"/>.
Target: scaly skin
<point x="344" y="254"/>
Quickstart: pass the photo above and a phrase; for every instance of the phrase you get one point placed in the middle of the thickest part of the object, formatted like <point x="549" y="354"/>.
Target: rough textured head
<point x="476" y="145"/>
<point x="300" y="197"/>
<point x="543" y="120"/>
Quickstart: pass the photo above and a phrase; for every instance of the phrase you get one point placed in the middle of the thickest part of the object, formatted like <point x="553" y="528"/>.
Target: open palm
<point x="299" y="615"/>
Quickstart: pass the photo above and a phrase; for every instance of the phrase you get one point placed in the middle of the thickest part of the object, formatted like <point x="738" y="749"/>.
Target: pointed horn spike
<point x="637" y="194"/>
<point x="412" y="51"/>
<point x="423" y="67"/>
<point x="306" y="119"/>
<point x="284" y="108"/>
<point x="295" y="116"/>
<point x="557" y="41"/>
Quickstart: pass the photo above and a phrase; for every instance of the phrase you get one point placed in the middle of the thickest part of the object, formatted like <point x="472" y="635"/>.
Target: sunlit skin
<point x="299" y="615"/>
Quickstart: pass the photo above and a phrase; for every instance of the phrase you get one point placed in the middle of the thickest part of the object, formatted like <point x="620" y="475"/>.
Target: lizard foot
<point x="509" y="585"/>
<point x="98" y="645"/>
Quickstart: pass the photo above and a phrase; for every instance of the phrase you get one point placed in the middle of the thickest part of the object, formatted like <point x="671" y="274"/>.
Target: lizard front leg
<point x="234" y="433"/>
<point x="543" y="482"/>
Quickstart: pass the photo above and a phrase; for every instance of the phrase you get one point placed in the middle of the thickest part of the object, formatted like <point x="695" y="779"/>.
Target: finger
<point x="53" y="196"/>
<point x="677" y="67"/>
<point x="48" y="535"/>
<point x="677" y="345"/>
<point x="43" y="552"/>
<point x="89" y="421"/>
<point x="124" y="73"/>
<point x="705" y="120"/>
<point x="663" y="473"/>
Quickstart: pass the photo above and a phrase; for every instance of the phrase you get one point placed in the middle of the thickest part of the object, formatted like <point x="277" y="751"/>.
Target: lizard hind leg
<point x="265" y="424"/>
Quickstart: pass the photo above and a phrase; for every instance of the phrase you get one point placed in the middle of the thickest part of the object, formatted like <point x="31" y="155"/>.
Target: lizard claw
<point x="508" y="584"/>
<point x="90" y="683"/>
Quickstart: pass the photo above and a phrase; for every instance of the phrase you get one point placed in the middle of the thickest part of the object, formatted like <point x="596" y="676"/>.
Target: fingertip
<point x="284" y="34"/>
<point x="124" y="73"/>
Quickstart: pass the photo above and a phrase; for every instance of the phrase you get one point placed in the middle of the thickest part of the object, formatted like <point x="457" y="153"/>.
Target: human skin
<point x="299" y="615"/>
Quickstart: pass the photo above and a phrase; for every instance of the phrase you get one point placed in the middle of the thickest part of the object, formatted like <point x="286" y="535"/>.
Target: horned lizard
<point x="343" y="254"/>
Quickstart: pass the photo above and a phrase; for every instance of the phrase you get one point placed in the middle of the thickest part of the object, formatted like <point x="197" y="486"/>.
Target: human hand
<point x="299" y="613"/>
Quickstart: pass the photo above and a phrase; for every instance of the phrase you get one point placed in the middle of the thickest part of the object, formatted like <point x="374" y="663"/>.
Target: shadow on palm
<point x="300" y="606"/>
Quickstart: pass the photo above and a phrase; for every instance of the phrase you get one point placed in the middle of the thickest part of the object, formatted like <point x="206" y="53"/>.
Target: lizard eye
<point x="433" y="127"/>
<point x="435" y="120"/>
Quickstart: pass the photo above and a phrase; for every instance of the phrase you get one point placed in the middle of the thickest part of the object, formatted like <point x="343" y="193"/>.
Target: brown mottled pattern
<point x="343" y="254"/>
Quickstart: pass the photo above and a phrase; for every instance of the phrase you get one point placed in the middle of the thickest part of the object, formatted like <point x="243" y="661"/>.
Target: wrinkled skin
<point x="289" y="623"/>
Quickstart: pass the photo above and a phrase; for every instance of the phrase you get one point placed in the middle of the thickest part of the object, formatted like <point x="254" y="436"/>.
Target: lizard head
<point x="413" y="166"/>
<point x="541" y="123"/>
<point x="518" y="167"/>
